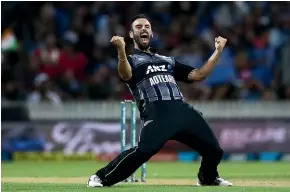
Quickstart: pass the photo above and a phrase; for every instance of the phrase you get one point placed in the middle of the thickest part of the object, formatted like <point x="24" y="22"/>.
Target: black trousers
<point x="163" y="121"/>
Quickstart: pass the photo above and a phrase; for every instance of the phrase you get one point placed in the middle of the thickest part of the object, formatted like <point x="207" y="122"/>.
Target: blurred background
<point x="67" y="45"/>
<point x="58" y="66"/>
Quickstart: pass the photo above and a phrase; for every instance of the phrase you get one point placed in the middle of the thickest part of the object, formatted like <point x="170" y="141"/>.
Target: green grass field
<point x="161" y="177"/>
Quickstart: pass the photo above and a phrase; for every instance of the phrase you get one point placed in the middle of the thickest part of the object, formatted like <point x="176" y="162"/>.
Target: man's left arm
<point x="189" y="74"/>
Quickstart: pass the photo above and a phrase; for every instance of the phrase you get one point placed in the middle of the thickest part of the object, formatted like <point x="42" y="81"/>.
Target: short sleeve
<point x="130" y="60"/>
<point x="181" y="71"/>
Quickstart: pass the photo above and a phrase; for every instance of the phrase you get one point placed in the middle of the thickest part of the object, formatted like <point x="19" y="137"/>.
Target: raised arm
<point x="124" y="68"/>
<point x="201" y="73"/>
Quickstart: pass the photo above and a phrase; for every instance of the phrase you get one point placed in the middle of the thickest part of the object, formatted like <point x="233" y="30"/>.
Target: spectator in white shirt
<point x="43" y="92"/>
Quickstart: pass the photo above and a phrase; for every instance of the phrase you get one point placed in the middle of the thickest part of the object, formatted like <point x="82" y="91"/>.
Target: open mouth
<point x="144" y="38"/>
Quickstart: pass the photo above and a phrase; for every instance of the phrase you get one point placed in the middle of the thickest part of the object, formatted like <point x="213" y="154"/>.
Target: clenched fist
<point x="220" y="43"/>
<point x="118" y="42"/>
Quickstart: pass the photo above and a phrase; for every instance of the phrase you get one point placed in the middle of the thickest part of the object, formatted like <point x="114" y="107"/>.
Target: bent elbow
<point x="125" y="76"/>
<point x="198" y="76"/>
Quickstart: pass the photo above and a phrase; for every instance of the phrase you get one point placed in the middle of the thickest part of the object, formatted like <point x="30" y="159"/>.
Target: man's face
<point x="142" y="33"/>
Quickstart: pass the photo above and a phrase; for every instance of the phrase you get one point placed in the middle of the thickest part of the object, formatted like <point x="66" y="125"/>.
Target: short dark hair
<point x="140" y="16"/>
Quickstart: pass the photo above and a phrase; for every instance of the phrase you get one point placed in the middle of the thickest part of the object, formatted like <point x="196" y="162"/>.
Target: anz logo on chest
<point x="155" y="68"/>
<point x="156" y="79"/>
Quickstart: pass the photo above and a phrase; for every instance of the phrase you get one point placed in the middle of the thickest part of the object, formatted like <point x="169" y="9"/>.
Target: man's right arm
<point x="124" y="68"/>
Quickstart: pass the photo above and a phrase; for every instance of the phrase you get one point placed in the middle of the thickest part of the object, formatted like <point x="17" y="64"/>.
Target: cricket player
<point x="164" y="113"/>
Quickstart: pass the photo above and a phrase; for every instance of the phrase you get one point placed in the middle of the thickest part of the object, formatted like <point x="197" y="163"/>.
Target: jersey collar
<point x="137" y="51"/>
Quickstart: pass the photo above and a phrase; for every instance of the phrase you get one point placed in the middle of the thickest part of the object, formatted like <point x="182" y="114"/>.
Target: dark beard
<point x="142" y="47"/>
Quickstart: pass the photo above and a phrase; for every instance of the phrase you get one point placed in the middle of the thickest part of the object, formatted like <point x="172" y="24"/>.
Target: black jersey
<point x="154" y="77"/>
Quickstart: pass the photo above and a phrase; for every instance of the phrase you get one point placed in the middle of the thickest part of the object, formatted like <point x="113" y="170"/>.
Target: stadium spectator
<point x="284" y="71"/>
<point x="46" y="58"/>
<point x="69" y="86"/>
<point x="71" y="59"/>
<point x="250" y="86"/>
<point x="12" y="92"/>
<point x="100" y="85"/>
<point x="43" y="91"/>
<point x="44" y="24"/>
<point x="70" y="42"/>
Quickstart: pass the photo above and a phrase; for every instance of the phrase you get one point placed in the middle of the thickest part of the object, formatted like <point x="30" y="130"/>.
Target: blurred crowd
<point x="61" y="51"/>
